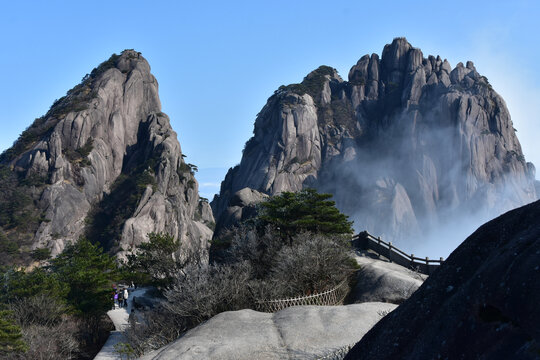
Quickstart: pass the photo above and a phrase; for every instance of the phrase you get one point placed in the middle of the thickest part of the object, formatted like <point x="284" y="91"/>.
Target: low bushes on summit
<point x="297" y="246"/>
<point x="257" y="268"/>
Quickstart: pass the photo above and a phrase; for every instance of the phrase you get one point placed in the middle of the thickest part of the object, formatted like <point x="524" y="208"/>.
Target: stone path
<point x="119" y="317"/>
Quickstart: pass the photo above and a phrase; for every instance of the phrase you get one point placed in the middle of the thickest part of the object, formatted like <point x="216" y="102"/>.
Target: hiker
<point x="115" y="297"/>
<point x="120" y="298"/>
<point x="126" y="295"/>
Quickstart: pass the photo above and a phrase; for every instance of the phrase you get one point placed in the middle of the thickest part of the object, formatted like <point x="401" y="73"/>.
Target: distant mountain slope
<point x="104" y="162"/>
<point x="405" y="144"/>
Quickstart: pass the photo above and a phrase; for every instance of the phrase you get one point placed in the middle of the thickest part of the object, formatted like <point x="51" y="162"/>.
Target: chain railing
<point x="331" y="297"/>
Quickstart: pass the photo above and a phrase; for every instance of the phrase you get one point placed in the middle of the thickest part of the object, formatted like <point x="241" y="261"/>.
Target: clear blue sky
<point x="218" y="61"/>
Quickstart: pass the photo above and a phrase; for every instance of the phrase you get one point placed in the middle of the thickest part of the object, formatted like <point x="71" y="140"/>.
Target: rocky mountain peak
<point x="405" y="140"/>
<point x="396" y="57"/>
<point x="129" y="60"/>
<point x="105" y="163"/>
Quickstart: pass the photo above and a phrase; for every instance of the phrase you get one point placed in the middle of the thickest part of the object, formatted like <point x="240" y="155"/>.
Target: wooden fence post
<point x="390" y="251"/>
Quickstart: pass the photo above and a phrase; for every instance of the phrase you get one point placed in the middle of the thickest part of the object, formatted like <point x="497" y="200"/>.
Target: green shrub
<point x="17" y="285"/>
<point x="10" y="335"/>
<point x="159" y="260"/>
<point x="41" y="254"/>
<point x="34" y="180"/>
<point x="80" y="155"/>
<point x="304" y="211"/>
<point x="104" y="66"/>
<point x="88" y="273"/>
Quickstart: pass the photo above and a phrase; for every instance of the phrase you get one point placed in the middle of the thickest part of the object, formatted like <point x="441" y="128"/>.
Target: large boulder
<point x="300" y="332"/>
<point x="383" y="281"/>
<point x="482" y="303"/>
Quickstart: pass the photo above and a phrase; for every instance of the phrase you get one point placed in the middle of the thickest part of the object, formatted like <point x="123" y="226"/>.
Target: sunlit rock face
<point x="110" y="165"/>
<point x="404" y="145"/>
<point x="297" y="332"/>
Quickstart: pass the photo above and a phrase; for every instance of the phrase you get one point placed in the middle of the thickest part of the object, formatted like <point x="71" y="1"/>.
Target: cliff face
<point x="404" y="143"/>
<point x="103" y="162"/>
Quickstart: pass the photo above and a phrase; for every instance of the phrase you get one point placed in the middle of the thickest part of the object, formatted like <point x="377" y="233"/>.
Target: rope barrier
<point x="331" y="297"/>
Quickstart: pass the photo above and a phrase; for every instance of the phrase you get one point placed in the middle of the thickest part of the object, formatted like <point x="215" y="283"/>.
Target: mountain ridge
<point x="378" y="138"/>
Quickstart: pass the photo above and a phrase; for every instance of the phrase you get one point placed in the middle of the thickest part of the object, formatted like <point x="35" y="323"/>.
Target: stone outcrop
<point x="404" y="143"/>
<point x="104" y="162"/>
<point x="481" y="303"/>
<point x="299" y="332"/>
<point x="382" y="281"/>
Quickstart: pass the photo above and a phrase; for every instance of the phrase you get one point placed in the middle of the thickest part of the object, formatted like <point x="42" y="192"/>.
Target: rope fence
<point x="331" y="297"/>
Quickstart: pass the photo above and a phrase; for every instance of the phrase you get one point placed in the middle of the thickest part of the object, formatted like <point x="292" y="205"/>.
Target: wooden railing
<point x="366" y="241"/>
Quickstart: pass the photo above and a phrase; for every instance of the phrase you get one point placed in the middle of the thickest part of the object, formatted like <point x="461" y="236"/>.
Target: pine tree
<point x="160" y="260"/>
<point x="18" y="284"/>
<point x="307" y="210"/>
<point x="10" y="335"/>
<point x="88" y="272"/>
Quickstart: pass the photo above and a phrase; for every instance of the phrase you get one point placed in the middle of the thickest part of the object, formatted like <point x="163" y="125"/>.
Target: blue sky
<point x="217" y="62"/>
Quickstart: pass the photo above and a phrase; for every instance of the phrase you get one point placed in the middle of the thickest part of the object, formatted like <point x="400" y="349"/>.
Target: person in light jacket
<point x="126" y="295"/>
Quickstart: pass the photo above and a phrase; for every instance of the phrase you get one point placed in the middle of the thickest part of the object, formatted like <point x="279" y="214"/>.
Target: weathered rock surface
<point x="109" y="164"/>
<point x="482" y="303"/>
<point x="300" y="332"/>
<point x="241" y="206"/>
<point x="382" y="281"/>
<point x="406" y="142"/>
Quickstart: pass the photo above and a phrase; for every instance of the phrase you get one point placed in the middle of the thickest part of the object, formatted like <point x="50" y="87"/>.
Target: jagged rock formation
<point x="103" y="162"/>
<point x="299" y="332"/>
<point x="482" y="303"/>
<point x="405" y="142"/>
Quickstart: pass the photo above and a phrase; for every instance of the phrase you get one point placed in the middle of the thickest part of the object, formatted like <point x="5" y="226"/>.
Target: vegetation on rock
<point x="106" y="219"/>
<point x="10" y="335"/>
<point x="87" y="272"/>
<point x="312" y="84"/>
<point x="19" y="218"/>
<point x="296" y="246"/>
<point x="292" y="213"/>
<point x="159" y="261"/>
<point x="80" y="155"/>
<point x="60" y="308"/>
